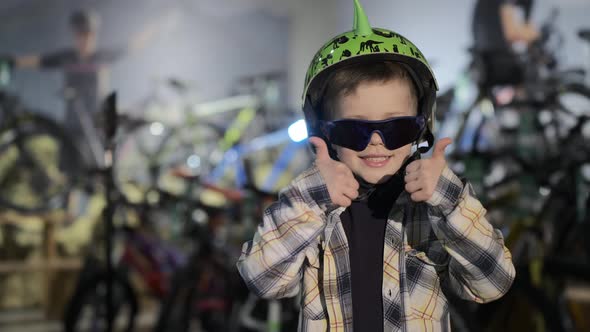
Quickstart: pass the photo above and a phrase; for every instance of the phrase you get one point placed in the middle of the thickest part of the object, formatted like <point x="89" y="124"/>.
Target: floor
<point x="34" y="320"/>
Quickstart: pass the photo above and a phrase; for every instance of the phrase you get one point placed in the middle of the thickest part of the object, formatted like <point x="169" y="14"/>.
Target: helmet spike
<point x="361" y="24"/>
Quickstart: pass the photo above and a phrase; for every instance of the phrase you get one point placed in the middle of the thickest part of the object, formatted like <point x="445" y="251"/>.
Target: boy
<point x="372" y="236"/>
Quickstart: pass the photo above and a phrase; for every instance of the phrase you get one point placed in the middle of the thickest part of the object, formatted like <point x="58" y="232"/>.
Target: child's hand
<point x="342" y="185"/>
<point x="422" y="175"/>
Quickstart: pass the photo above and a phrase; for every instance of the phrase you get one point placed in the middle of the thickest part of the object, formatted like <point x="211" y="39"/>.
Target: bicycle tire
<point x="182" y="310"/>
<point x="145" y="155"/>
<point x="35" y="177"/>
<point x="179" y="298"/>
<point x="540" y="301"/>
<point x="577" y="89"/>
<point x="88" y="292"/>
<point x="572" y="99"/>
<point x="523" y="308"/>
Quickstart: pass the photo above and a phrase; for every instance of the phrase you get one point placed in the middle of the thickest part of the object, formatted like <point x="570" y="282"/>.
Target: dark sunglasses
<point x="356" y="134"/>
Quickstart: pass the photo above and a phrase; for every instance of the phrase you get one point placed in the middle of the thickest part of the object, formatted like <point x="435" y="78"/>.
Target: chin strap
<point x="429" y="138"/>
<point x="427" y="107"/>
<point x="365" y="188"/>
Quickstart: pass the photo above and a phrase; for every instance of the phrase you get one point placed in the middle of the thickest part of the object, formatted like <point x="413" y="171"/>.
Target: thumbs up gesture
<point x="342" y="185"/>
<point x="422" y="175"/>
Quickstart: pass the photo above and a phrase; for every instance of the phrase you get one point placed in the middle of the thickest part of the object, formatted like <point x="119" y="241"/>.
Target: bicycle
<point x="472" y="104"/>
<point x="560" y="218"/>
<point x="183" y="207"/>
<point x="513" y="152"/>
<point x="536" y="301"/>
<point x="143" y="253"/>
<point x="33" y="175"/>
<point x="232" y="308"/>
<point x="146" y="255"/>
<point x="208" y="139"/>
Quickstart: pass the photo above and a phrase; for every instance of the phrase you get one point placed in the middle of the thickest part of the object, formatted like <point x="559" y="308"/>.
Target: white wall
<point x="312" y="23"/>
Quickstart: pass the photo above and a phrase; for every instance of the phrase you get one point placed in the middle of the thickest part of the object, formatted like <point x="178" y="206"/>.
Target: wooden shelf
<point x="12" y="217"/>
<point x="49" y="264"/>
<point x="56" y="264"/>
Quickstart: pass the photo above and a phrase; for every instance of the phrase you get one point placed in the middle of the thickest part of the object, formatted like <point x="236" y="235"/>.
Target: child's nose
<point x="375" y="139"/>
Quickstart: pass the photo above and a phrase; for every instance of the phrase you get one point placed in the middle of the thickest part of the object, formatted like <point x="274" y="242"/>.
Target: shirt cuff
<point x="447" y="192"/>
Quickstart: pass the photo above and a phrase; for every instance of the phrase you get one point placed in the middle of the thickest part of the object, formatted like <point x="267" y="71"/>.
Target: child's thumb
<point x="440" y="146"/>
<point x="320" y="147"/>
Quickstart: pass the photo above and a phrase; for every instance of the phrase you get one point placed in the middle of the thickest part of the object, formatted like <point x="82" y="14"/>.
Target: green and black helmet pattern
<point x="367" y="44"/>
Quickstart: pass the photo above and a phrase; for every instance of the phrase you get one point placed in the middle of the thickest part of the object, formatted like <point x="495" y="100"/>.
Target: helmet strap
<point x="332" y="152"/>
<point x="311" y="118"/>
<point x="427" y="109"/>
<point x="429" y="138"/>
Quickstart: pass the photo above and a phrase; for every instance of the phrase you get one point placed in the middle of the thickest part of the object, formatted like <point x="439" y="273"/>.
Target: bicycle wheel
<point x="575" y="98"/>
<point x="523" y="308"/>
<point x="175" y="310"/>
<point x="254" y="314"/>
<point x="145" y="156"/>
<point x="562" y="113"/>
<point x="87" y="310"/>
<point x="526" y="308"/>
<point x="200" y="300"/>
<point x="38" y="162"/>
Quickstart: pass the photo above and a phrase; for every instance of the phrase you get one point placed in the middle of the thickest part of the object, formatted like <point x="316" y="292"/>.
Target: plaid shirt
<point x="445" y="243"/>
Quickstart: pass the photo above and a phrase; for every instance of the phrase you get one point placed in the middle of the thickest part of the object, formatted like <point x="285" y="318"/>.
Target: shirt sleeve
<point x="480" y="267"/>
<point x="110" y="55"/>
<point x="271" y="263"/>
<point x="57" y="59"/>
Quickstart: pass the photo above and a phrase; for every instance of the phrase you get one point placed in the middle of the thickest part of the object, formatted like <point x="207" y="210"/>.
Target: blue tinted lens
<point x="356" y="134"/>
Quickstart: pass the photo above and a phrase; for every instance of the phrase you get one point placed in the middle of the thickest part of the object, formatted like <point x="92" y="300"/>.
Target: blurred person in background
<point x="85" y="70"/>
<point x="497" y="28"/>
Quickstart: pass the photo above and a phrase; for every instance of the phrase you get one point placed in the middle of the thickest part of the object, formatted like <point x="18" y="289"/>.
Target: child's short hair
<point x="345" y="80"/>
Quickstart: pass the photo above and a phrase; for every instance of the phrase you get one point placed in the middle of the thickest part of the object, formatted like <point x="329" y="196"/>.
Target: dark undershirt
<point x="81" y="75"/>
<point x="364" y="223"/>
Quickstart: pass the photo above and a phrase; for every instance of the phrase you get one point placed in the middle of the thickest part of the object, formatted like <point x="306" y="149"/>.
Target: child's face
<point x="85" y="42"/>
<point x="375" y="101"/>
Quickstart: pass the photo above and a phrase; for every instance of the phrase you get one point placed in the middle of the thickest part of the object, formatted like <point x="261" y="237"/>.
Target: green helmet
<point x="364" y="43"/>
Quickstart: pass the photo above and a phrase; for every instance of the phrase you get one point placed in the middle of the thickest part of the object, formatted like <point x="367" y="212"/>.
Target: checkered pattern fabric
<point x="431" y="248"/>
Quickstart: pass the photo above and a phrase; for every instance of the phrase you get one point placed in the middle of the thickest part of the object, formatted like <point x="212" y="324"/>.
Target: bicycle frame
<point x="152" y="259"/>
<point x="231" y="158"/>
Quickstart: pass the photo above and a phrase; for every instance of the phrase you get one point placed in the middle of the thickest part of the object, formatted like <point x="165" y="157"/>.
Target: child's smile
<point x="375" y="160"/>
